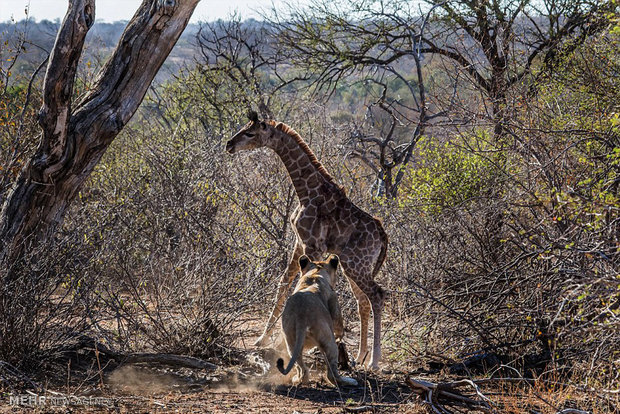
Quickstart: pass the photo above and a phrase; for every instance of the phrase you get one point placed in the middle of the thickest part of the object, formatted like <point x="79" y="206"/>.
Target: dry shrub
<point x="537" y="295"/>
<point x="176" y="260"/>
<point x="42" y="303"/>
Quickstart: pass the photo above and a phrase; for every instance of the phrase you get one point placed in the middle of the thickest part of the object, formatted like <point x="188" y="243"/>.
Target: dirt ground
<point x="250" y="385"/>
<point x="248" y="382"/>
<point x="138" y="388"/>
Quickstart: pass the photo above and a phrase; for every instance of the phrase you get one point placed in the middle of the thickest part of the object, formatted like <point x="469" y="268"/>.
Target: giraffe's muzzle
<point x="230" y="147"/>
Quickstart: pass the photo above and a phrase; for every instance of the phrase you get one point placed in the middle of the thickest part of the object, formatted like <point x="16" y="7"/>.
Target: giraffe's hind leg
<point x="377" y="301"/>
<point x="363" y="310"/>
<point x="283" y="288"/>
<point x="369" y="295"/>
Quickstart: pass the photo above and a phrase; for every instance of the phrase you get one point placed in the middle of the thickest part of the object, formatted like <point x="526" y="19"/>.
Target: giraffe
<point x="325" y="221"/>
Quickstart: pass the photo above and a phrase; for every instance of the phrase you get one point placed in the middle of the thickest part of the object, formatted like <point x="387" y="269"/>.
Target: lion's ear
<point x="304" y="261"/>
<point x="334" y="261"/>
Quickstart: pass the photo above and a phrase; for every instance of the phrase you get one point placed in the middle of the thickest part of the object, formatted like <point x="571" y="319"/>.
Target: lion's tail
<point x="299" y="346"/>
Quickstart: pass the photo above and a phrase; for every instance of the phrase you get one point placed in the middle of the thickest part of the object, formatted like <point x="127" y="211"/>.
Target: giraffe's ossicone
<point x="325" y="221"/>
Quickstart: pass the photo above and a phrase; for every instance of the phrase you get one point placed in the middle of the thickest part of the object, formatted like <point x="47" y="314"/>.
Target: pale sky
<point x="112" y="10"/>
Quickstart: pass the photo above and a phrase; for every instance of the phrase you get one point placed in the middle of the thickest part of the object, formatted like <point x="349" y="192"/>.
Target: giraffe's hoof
<point x="361" y="359"/>
<point x="366" y="361"/>
<point x="369" y="366"/>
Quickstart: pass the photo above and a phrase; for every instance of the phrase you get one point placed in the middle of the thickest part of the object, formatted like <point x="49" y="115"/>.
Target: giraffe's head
<point x="327" y="269"/>
<point x="253" y="135"/>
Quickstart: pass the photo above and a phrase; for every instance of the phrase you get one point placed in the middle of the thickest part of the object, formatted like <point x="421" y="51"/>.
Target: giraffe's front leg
<point x="283" y="288"/>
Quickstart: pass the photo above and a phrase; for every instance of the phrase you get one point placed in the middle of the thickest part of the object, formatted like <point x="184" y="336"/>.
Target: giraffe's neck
<point x="305" y="175"/>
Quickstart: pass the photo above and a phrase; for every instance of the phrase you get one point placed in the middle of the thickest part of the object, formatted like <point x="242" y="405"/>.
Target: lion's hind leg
<point x="330" y="351"/>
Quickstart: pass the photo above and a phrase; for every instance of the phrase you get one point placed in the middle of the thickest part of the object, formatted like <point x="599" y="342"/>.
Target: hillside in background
<point x="100" y="41"/>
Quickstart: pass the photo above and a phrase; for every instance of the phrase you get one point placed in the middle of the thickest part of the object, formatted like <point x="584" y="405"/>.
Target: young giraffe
<point x="325" y="221"/>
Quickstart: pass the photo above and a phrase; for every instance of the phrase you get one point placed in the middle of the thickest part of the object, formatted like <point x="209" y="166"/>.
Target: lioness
<point x="311" y="317"/>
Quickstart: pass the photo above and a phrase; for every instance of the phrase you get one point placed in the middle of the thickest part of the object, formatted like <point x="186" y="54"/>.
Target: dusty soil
<point x="241" y="389"/>
<point x="252" y="386"/>
<point x="248" y="384"/>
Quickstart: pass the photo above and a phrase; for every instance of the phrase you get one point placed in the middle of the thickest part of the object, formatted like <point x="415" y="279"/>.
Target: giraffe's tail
<point x="384" y="243"/>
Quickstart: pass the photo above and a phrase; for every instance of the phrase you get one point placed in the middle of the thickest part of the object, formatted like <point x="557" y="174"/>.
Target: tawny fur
<point x="311" y="318"/>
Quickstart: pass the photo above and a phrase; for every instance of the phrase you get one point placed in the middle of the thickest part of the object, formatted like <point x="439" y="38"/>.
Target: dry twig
<point x="13" y="378"/>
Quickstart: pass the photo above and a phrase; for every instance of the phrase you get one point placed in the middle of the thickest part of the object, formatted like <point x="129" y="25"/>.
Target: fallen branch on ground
<point x="362" y="409"/>
<point x="457" y="393"/>
<point x="134" y="358"/>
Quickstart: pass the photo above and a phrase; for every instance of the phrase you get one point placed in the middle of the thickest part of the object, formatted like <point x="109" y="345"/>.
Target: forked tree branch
<point x="73" y="141"/>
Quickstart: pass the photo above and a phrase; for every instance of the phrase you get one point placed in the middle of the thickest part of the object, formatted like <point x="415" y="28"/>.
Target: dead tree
<point x="75" y="135"/>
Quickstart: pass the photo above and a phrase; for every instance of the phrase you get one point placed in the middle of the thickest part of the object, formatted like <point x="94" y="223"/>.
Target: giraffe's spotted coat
<point x="325" y="221"/>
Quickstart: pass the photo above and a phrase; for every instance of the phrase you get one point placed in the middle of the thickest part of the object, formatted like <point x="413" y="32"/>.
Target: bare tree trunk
<point x="73" y="140"/>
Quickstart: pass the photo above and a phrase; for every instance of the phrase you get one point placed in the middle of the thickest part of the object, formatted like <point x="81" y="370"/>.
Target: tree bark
<point x="73" y="140"/>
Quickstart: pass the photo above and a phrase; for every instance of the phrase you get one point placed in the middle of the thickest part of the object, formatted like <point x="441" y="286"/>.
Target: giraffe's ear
<point x="304" y="261"/>
<point x="334" y="261"/>
<point x="253" y="116"/>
